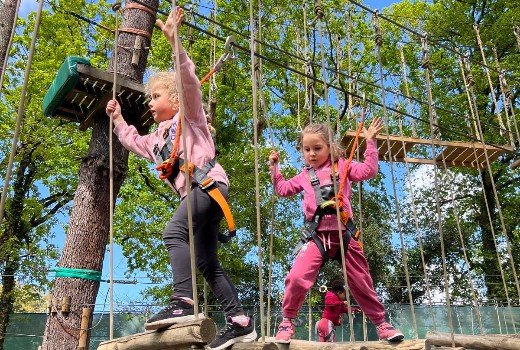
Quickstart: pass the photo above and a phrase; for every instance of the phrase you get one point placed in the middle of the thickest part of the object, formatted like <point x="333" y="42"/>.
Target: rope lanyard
<point x="426" y="66"/>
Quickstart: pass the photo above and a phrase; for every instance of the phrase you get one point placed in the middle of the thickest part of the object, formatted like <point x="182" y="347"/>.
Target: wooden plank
<point x="476" y="342"/>
<point x="184" y="335"/>
<point x="365" y="345"/>
<point x="455" y="153"/>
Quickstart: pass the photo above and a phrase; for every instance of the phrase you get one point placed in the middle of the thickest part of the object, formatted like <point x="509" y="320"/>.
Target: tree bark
<point x="88" y="230"/>
<point x="7" y="16"/>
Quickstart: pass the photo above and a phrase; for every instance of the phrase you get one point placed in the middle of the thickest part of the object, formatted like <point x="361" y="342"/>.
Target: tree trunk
<point x="88" y="230"/>
<point x="7" y="16"/>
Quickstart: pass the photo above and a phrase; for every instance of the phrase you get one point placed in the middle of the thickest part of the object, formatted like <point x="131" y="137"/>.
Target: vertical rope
<point x="21" y="108"/>
<point x="407" y="89"/>
<point x="516" y="31"/>
<point x="116" y="8"/>
<point x="426" y="67"/>
<point x="257" y="180"/>
<point x="379" y="42"/>
<point x="507" y="96"/>
<point x="490" y="82"/>
<point x="8" y="49"/>
<point x="319" y="16"/>
<point x="187" y="184"/>
<point x="488" y="210"/>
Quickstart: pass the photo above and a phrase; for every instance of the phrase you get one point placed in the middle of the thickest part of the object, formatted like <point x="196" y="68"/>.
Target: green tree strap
<point x="78" y="273"/>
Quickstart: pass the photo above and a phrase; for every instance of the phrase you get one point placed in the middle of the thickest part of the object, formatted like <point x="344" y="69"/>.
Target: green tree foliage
<point x="55" y="147"/>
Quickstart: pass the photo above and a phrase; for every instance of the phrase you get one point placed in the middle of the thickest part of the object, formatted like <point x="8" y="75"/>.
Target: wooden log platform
<point x="475" y="342"/>
<point x="454" y="153"/>
<point x="359" y="345"/>
<point x="181" y="336"/>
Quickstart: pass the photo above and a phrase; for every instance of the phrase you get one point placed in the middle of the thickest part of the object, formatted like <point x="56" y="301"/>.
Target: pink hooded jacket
<point x="301" y="182"/>
<point x="199" y="143"/>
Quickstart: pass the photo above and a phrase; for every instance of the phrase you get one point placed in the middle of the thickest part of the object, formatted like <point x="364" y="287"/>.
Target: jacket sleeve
<point x="367" y="169"/>
<point x="192" y="95"/>
<point x="286" y="188"/>
<point x="132" y="141"/>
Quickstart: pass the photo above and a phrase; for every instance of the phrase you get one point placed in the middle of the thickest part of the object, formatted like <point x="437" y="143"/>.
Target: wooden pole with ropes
<point x="12" y="30"/>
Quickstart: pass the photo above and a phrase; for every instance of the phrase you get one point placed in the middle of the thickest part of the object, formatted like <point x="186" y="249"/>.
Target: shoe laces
<point x="226" y="329"/>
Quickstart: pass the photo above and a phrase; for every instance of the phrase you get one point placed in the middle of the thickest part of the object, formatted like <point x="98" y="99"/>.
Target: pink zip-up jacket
<point x="199" y="143"/>
<point x="301" y="182"/>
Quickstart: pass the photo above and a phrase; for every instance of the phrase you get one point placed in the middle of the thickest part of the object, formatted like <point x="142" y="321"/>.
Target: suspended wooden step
<point x="454" y="153"/>
<point x="476" y="342"/>
<point x="358" y="345"/>
<point x="197" y="333"/>
<point x="80" y="91"/>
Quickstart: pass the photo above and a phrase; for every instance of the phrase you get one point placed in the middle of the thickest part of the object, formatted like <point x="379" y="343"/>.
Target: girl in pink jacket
<point x="321" y="226"/>
<point x="206" y="211"/>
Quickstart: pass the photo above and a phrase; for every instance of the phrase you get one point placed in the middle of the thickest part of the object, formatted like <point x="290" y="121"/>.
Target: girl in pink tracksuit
<point x="316" y="148"/>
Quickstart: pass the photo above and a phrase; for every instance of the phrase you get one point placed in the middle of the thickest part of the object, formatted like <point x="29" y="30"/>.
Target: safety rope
<point x="410" y="186"/>
<point x="8" y="49"/>
<point x="319" y="12"/>
<point x="257" y="176"/>
<point x="116" y="8"/>
<point x="378" y="39"/>
<point x="426" y="66"/>
<point x="507" y="99"/>
<point x="497" y="204"/>
<point x="21" y="108"/>
<point x="516" y="31"/>
<point x="407" y="88"/>
<point x="456" y="215"/>
<point x="490" y="82"/>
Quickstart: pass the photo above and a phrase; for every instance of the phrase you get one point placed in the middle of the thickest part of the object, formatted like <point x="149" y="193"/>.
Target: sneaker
<point x="233" y="333"/>
<point x="385" y="331"/>
<point x="285" y="332"/>
<point x="178" y="311"/>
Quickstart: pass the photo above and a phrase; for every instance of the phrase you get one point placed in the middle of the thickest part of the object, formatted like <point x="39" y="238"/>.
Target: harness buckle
<point x="206" y="184"/>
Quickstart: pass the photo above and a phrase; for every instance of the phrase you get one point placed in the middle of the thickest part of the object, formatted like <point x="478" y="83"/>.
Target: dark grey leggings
<point x="206" y="219"/>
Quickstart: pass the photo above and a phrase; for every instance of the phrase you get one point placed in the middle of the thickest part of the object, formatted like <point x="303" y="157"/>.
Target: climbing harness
<point x="326" y="205"/>
<point x="171" y="166"/>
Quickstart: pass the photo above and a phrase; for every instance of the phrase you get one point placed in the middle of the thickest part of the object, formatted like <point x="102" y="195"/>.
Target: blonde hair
<point x="324" y="131"/>
<point x="167" y="81"/>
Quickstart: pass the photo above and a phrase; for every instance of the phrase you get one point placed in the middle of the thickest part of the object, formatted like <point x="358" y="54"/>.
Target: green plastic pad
<point x="65" y="80"/>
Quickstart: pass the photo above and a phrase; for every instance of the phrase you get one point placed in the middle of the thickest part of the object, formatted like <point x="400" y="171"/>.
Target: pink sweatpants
<point x="307" y="266"/>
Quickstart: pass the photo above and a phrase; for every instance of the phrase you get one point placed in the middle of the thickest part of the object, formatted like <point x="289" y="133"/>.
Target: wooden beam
<point x="476" y="342"/>
<point x="367" y="345"/>
<point x="453" y="153"/>
<point x="254" y="346"/>
<point x="184" y="335"/>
